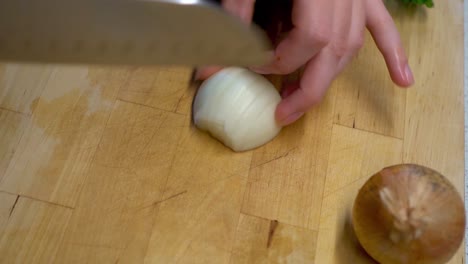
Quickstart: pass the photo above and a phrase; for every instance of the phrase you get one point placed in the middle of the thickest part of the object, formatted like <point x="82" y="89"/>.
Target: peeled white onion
<point x="237" y="107"/>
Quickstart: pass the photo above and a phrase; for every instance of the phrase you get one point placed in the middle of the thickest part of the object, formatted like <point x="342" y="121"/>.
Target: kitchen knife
<point x="161" y="32"/>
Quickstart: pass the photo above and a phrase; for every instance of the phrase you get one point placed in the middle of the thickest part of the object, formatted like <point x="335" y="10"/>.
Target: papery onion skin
<point x="409" y="214"/>
<point x="237" y="107"/>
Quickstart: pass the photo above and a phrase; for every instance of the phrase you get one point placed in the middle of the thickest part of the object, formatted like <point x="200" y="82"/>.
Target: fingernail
<point x="260" y="70"/>
<point x="409" y="74"/>
<point x="265" y="69"/>
<point x="292" y="118"/>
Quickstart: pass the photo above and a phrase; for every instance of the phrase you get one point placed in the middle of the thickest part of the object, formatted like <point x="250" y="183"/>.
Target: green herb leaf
<point x="428" y="3"/>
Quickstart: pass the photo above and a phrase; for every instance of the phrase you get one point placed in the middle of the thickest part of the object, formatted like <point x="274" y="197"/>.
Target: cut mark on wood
<point x="276" y="158"/>
<point x="13" y="207"/>
<point x="369" y="131"/>
<point x="178" y="103"/>
<point x="271" y="232"/>
<point x="13" y="111"/>
<point x="149" y="106"/>
<point x="161" y="201"/>
<point x="170" y="197"/>
<point x="37" y="200"/>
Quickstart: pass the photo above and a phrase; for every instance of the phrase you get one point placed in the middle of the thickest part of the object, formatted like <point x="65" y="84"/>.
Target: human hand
<point x="325" y="37"/>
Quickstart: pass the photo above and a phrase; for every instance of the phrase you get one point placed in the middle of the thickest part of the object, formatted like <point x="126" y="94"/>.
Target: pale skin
<point x="326" y="36"/>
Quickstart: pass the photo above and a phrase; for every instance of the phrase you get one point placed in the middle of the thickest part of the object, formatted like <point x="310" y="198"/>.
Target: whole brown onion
<point x="409" y="214"/>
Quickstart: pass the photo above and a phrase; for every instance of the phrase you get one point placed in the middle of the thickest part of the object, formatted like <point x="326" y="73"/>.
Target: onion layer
<point x="237" y="107"/>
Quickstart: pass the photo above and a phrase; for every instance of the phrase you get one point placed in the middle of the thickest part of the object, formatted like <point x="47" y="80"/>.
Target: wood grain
<point x="434" y="134"/>
<point x="34" y="232"/>
<point x="157" y="87"/>
<point x="7" y="204"/>
<point x="282" y="184"/>
<point x="354" y="156"/>
<point x="201" y="160"/>
<point x="114" y="216"/>
<point x="57" y="146"/>
<point x="366" y="97"/>
<point x="199" y="224"/>
<point x="21" y="85"/>
<point x="260" y="240"/>
<point x="12" y="127"/>
<point x="109" y="167"/>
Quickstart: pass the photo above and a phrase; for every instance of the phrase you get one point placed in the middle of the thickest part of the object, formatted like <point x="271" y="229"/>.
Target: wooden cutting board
<point x="103" y="165"/>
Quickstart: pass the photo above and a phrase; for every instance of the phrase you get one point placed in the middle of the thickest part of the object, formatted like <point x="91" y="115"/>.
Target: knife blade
<point x="161" y="32"/>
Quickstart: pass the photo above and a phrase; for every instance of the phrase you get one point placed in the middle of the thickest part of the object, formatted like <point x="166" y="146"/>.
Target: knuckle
<point x="319" y="36"/>
<point x="284" y="68"/>
<point x="356" y="43"/>
<point x="383" y="21"/>
<point x="340" y="48"/>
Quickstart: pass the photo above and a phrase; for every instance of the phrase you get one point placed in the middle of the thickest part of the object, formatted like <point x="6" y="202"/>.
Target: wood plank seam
<point x="180" y="100"/>
<point x="242" y="198"/>
<point x="170" y="202"/>
<point x="182" y="254"/>
<point x="325" y="181"/>
<point x="169" y="171"/>
<point x="172" y="159"/>
<point x="39" y="239"/>
<point x="354" y="156"/>
<point x="231" y="249"/>
<point x="126" y="120"/>
<point x="86" y="171"/>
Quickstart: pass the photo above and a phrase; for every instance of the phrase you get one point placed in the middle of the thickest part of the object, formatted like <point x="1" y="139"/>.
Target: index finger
<point x="318" y="76"/>
<point x="312" y="21"/>
<point x="387" y="38"/>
